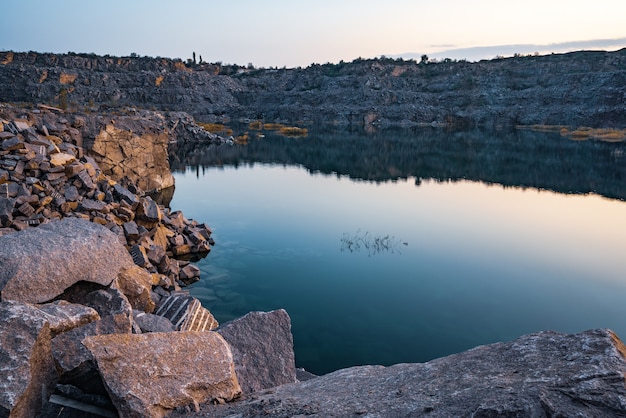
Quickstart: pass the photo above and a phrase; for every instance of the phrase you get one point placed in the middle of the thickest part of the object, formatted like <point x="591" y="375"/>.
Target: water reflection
<point x="483" y="262"/>
<point x="514" y="158"/>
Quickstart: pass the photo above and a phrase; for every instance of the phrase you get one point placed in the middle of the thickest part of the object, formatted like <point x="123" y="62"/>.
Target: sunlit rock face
<point x="148" y="375"/>
<point x="142" y="158"/>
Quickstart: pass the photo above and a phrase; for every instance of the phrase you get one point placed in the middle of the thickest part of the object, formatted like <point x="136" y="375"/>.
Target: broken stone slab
<point x="64" y="316"/>
<point x="39" y="264"/>
<point x="262" y="347"/>
<point x="61" y="159"/>
<point x="124" y="194"/>
<point x="27" y="371"/>
<point x="148" y="375"/>
<point x="547" y="374"/>
<point x="186" y="313"/>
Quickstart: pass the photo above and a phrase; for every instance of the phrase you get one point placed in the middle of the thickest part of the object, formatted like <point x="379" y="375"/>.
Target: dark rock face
<point x="262" y="347"/>
<point x="540" y="375"/>
<point x="581" y="88"/>
<point x="39" y="264"/>
<point x="26" y="369"/>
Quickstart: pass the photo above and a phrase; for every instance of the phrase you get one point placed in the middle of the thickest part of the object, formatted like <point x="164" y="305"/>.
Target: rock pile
<point x="91" y="292"/>
<point x="43" y="178"/>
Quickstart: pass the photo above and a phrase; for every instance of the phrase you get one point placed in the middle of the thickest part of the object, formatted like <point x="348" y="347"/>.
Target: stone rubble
<point x="91" y="266"/>
<point x="44" y="177"/>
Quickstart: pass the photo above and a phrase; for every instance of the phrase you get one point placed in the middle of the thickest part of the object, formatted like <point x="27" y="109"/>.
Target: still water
<point x="406" y="246"/>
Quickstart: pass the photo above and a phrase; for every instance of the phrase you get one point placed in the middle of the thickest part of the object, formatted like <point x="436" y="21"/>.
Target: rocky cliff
<point x="578" y="89"/>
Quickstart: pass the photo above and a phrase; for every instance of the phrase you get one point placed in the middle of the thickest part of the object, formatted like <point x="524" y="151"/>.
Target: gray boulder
<point x="39" y="264"/>
<point x="262" y="347"/>
<point x="148" y="375"/>
<point x="27" y="374"/>
<point x="547" y="374"/>
<point x="64" y="316"/>
<point x="152" y="323"/>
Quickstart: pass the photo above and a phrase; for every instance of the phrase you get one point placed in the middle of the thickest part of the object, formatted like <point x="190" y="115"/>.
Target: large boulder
<point x="262" y="347"/>
<point x="39" y="264"/>
<point x="148" y="375"/>
<point x="547" y="374"/>
<point x="27" y="374"/>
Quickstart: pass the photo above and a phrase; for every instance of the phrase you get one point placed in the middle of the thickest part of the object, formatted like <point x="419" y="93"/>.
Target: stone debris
<point x="91" y="281"/>
<point x="47" y="177"/>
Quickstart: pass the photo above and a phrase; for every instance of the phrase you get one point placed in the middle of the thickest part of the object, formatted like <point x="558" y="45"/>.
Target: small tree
<point x="424" y="59"/>
<point x="194" y="58"/>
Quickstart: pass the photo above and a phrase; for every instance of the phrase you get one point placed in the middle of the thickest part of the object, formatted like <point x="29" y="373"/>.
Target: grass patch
<point x="278" y="128"/>
<point x="216" y="128"/>
<point x="581" y="133"/>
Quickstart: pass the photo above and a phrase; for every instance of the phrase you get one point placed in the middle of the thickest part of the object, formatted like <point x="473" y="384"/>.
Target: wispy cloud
<point x="489" y="52"/>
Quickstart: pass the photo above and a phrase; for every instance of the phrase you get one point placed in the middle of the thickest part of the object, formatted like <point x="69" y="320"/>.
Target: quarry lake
<point x="404" y="246"/>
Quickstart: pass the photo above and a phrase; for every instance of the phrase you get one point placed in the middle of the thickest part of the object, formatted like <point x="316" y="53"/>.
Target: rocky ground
<point x="586" y="88"/>
<point x="95" y="318"/>
<point x="89" y="263"/>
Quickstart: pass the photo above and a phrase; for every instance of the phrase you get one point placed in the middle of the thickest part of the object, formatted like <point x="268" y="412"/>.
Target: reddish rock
<point x="148" y="375"/>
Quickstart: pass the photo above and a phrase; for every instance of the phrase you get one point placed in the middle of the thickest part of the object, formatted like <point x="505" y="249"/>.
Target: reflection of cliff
<point x="518" y="158"/>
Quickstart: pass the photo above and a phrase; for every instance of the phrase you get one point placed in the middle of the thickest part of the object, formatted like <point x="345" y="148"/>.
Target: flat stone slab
<point x="38" y="264"/>
<point x="148" y="375"/>
<point x="547" y="374"/>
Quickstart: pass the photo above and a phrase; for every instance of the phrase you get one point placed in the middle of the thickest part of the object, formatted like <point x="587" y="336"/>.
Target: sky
<point x="278" y="33"/>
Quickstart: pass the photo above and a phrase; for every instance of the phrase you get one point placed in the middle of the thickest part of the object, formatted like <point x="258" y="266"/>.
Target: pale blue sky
<point x="298" y="33"/>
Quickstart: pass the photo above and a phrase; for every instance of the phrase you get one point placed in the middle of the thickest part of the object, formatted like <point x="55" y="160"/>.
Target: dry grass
<point x="582" y="133"/>
<point x="158" y="80"/>
<point x="278" y="128"/>
<point x="216" y="128"/>
<point x="600" y="134"/>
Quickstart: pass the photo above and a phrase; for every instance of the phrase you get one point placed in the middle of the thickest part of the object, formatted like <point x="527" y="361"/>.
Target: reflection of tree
<point x="512" y="158"/>
<point x="373" y="244"/>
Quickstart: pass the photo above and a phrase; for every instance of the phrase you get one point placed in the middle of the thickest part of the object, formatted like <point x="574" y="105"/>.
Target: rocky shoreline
<point x="84" y="257"/>
<point x="96" y="321"/>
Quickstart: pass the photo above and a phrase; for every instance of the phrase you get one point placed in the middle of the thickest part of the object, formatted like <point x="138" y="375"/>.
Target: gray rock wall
<point x="581" y="88"/>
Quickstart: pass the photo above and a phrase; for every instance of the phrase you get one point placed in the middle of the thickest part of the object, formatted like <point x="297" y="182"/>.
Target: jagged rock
<point x="148" y="375"/>
<point x="64" y="316"/>
<point x="547" y="374"/>
<point x="7" y="205"/>
<point x="152" y="323"/>
<point x="186" y="313"/>
<point x="61" y="159"/>
<point x="27" y="371"/>
<point x="136" y="284"/>
<point x="74" y="363"/>
<point x="38" y="264"/>
<point x="109" y="302"/>
<point x="262" y="347"/>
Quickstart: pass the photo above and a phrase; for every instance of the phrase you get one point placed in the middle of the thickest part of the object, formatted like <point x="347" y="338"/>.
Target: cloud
<point x="488" y="52"/>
